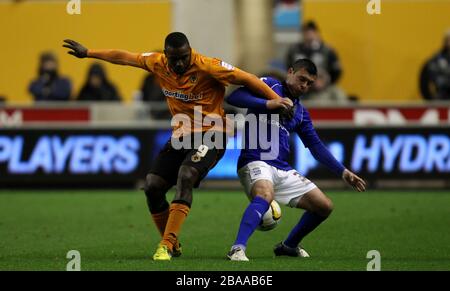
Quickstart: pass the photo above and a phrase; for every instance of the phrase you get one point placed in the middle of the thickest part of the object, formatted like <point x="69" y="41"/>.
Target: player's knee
<point x="151" y="185"/>
<point x="187" y="176"/>
<point x="264" y="192"/>
<point x="266" y="195"/>
<point x="154" y="192"/>
<point x="326" y="208"/>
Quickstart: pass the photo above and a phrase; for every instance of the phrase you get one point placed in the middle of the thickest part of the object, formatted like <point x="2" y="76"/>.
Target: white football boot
<point x="237" y="254"/>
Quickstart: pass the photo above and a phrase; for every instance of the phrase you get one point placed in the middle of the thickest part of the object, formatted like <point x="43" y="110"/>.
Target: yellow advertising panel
<point x="28" y="28"/>
<point x="382" y="54"/>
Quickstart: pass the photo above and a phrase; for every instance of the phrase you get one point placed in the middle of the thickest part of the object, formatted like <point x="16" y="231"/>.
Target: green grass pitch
<point x="113" y="231"/>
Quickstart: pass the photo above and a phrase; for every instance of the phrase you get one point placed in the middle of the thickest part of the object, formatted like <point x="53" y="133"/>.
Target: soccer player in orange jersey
<point x="188" y="80"/>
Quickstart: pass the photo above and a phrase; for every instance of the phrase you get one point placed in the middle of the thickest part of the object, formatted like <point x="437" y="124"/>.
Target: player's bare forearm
<point x="119" y="57"/>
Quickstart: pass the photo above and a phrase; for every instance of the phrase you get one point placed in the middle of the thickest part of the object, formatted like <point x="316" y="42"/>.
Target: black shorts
<point x="203" y="158"/>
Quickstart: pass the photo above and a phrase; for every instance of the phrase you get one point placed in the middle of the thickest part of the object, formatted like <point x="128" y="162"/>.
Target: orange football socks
<point x="178" y="213"/>
<point x="160" y="220"/>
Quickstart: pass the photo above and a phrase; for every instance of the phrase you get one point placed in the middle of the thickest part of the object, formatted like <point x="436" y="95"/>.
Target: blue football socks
<point x="307" y="223"/>
<point x="250" y="220"/>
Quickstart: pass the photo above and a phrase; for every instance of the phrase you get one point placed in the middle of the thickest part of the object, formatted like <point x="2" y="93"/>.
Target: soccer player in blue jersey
<point x="273" y="178"/>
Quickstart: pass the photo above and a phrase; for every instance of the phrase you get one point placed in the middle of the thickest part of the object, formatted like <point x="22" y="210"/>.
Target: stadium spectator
<point x="49" y="85"/>
<point x="326" y="59"/>
<point x="152" y="92"/>
<point x="322" y="92"/>
<point x="435" y="74"/>
<point x="97" y="86"/>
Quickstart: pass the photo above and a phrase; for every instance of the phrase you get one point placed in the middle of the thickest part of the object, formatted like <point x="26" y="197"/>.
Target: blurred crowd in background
<point x="54" y="84"/>
<point x="50" y="85"/>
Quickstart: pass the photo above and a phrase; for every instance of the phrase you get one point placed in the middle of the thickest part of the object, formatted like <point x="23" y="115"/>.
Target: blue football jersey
<point x="274" y="131"/>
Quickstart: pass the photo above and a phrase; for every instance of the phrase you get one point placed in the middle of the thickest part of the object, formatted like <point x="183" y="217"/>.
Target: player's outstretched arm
<point x="323" y="155"/>
<point x="257" y="86"/>
<point x="353" y="180"/>
<point x="119" y="57"/>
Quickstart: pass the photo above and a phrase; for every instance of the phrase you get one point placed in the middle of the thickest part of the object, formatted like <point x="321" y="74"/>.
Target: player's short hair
<point x="306" y="64"/>
<point x="176" y="40"/>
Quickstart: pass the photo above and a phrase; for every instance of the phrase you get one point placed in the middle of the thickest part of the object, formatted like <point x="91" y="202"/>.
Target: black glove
<point x="76" y="49"/>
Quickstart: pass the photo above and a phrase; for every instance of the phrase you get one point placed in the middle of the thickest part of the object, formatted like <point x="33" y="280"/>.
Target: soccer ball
<point x="271" y="218"/>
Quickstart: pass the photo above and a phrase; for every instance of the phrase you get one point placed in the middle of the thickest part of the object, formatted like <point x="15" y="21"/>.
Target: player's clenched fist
<point x="284" y="103"/>
<point x="76" y="48"/>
